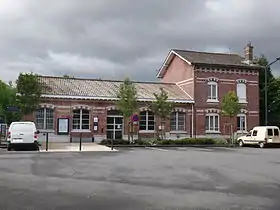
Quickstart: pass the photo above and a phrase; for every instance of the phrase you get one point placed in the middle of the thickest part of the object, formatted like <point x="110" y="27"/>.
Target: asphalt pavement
<point x="142" y="179"/>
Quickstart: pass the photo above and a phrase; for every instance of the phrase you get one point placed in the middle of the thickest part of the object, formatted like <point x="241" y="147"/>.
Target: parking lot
<point x="142" y="178"/>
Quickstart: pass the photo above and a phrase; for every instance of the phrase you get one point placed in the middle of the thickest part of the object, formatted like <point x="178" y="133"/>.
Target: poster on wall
<point x="63" y="126"/>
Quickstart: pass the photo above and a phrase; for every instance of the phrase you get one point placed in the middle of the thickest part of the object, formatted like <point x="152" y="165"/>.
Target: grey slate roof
<point x="106" y="89"/>
<point x="211" y="58"/>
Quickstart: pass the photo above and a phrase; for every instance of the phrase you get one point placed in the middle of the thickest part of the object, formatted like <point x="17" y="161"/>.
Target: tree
<point x="231" y="107"/>
<point x="127" y="103"/>
<point x="263" y="61"/>
<point x="29" y="92"/>
<point x="162" y="108"/>
<point x="67" y="76"/>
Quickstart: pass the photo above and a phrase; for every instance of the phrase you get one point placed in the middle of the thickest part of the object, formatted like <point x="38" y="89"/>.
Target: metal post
<point x="47" y="141"/>
<point x="112" y="142"/>
<point x="80" y="142"/>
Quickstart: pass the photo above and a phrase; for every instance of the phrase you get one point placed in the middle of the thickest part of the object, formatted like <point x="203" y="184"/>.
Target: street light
<point x="265" y="87"/>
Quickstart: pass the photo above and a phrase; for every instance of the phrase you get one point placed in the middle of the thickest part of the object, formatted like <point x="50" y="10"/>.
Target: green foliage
<point x="230" y="105"/>
<point x="29" y="91"/>
<point x="161" y="106"/>
<point x="8" y="98"/>
<point x="273" y="87"/>
<point x="127" y="95"/>
<point x="68" y="77"/>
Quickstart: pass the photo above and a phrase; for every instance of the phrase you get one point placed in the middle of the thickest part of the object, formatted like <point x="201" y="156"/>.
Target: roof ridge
<point x="104" y="80"/>
<point x="206" y="52"/>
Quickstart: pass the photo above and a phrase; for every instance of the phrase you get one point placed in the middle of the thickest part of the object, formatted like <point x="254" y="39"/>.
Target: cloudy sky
<point x="113" y="39"/>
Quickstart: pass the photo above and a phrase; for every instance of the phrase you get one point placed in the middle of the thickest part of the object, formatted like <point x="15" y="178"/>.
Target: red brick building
<point x="194" y="81"/>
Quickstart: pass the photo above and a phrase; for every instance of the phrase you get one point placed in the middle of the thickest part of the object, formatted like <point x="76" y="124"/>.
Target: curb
<point x="201" y="146"/>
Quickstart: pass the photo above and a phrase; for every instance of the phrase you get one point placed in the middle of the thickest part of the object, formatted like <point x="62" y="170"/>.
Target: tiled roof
<point x="60" y="87"/>
<point x="211" y="58"/>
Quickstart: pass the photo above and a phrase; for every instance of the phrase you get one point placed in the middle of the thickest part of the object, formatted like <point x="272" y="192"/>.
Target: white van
<point x="261" y="135"/>
<point x="22" y="134"/>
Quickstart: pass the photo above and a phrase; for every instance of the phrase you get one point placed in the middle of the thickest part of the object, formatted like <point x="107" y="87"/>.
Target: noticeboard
<point x="63" y="126"/>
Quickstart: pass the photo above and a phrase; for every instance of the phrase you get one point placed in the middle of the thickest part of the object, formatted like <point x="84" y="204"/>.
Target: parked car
<point x="260" y="135"/>
<point x="22" y="134"/>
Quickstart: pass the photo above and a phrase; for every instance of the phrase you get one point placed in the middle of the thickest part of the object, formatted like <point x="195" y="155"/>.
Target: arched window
<point x="212" y="122"/>
<point x="178" y="121"/>
<point x="45" y="119"/>
<point x="212" y="88"/>
<point x="81" y="119"/>
<point x="147" y="121"/>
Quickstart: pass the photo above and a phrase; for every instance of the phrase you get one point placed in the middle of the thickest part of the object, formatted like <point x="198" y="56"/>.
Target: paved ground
<point x="142" y="178"/>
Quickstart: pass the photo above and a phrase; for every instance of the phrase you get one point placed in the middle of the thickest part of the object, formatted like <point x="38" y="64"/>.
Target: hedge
<point x="187" y="141"/>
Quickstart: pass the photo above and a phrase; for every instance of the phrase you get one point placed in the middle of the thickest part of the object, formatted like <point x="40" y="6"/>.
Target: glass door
<point x="114" y="127"/>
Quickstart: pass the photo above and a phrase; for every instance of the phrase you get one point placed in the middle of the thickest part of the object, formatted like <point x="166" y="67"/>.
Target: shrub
<point x="115" y="142"/>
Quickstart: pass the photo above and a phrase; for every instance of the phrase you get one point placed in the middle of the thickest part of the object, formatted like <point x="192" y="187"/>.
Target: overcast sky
<point x="112" y="39"/>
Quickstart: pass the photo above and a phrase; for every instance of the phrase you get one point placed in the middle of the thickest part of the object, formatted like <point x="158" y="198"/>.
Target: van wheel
<point x="240" y="143"/>
<point x="261" y="144"/>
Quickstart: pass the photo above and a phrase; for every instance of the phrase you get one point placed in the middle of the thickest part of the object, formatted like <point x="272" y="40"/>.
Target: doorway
<point x="114" y="125"/>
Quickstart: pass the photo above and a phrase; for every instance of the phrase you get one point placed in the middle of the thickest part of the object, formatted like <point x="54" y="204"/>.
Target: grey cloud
<point x="115" y="39"/>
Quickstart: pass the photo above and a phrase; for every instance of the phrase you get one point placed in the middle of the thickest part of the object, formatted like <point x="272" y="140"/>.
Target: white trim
<point x="212" y="101"/>
<point x="178" y="132"/>
<point x="146" y="131"/>
<point x="167" y="58"/>
<point x="192" y="120"/>
<point x="80" y="131"/>
<point x="110" y="98"/>
<point x="179" y="109"/>
<point x="213" y="111"/>
<point x="177" y="121"/>
<point x="185" y="92"/>
<point x="184" y="81"/>
<point x="184" y="59"/>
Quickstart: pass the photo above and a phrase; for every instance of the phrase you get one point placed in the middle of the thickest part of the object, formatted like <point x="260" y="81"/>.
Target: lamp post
<point x="265" y="87"/>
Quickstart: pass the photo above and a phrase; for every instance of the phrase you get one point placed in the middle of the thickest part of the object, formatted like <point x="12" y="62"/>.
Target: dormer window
<point x="212" y="91"/>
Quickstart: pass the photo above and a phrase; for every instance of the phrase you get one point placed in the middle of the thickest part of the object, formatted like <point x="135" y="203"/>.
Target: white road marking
<point x="158" y="149"/>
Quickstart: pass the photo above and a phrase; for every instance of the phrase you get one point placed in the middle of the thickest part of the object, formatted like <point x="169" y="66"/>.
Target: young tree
<point x="127" y="103"/>
<point x="162" y="109"/>
<point x="28" y="92"/>
<point x="231" y="107"/>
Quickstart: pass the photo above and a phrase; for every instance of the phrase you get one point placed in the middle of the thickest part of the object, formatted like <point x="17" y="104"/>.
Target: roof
<point x="96" y="89"/>
<point x="206" y="58"/>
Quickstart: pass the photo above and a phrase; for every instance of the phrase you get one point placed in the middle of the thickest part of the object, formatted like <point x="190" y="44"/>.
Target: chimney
<point x="248" y="52"/>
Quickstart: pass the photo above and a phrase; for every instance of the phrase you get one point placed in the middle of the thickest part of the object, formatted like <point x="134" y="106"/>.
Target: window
<point x="255" y="133"/>
<point x="241" y="122"/>
<point x="276" y="132"/>
<point x="241" y="92"/>
<point x="177" y="121"/>
<point x="44" y="119"/>
<point x="212" y="123"/>
<point x="212" y="91"/>
<point x="81" y="119"/>
<point x="269" y="132"/>
<point x="147" y="121"/>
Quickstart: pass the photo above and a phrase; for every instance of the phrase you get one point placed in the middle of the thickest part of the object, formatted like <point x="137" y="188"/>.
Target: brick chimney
<point x="248" y="52"/>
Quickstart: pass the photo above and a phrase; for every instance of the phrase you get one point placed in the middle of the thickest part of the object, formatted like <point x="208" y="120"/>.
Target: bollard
<point x="80" y="141"/>
<point x="112" y="144"/>
<point x="47" y="141"/>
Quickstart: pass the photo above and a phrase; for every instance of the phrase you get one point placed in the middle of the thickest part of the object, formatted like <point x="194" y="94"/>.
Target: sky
<point x="114" y="39"/>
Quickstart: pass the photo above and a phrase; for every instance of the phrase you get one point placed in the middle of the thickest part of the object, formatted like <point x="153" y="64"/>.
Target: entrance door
<point x="114" y="127"/>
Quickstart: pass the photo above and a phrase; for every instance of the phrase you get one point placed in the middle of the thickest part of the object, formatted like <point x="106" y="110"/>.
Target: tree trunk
<point x="128" y="128"/>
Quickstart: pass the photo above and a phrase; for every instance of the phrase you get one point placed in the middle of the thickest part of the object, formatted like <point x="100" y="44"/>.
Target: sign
<point x="135" y="118"/>
<point x="12" y="109"/>
<point x="63" y="126"/>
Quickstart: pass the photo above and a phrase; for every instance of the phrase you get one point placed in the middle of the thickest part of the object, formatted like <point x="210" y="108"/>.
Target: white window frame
<point x="211" y="98"/>
<point x="45" y="118"/>
<point x="241" y="99"/>
<point x="212" y="115"/>
<point x="245" y="119"/>
<point x="177" y="121"/>
<point x="81" y="121"/>
<point x="147" y="122"/>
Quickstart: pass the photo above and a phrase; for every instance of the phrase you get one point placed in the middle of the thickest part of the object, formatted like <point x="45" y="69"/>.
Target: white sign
<point x="63" y="125"/>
